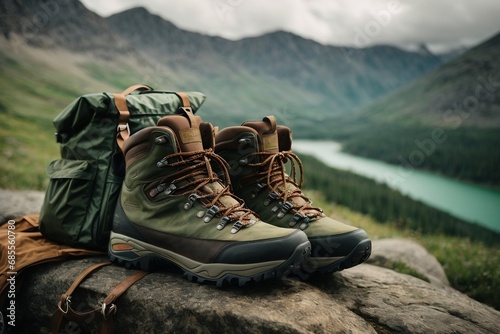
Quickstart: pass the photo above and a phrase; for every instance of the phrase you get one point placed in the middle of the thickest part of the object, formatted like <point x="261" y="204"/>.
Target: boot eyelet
<point x="223" y="222"/>
<point x="214" y="209"/>
<point x="284" y="209"/>
<point x="161" y="140"/>
<point x="305" y="223"/>
<point x="191" y="199"/>
<point x="270" y="198"/>
<point x="155" y="191"/>
<point x="236" y="227"/>
<point x="277" y="207"/>
<point x="258" y="188"/>
<point x="171" y="188"/>
<point x="295" y="219"/>
<point x="162" y="163"/>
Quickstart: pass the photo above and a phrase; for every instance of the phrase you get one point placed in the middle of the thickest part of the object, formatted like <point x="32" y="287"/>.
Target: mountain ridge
<point x="310" y="87"/>
<point x="57" y="24"/>
<point x="458" y="101"/>
<point x="323" y="78"/>
<point x="472" y="78"/>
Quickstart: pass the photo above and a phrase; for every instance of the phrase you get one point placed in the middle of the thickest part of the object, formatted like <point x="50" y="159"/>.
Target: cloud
<point x="441" y="24"/>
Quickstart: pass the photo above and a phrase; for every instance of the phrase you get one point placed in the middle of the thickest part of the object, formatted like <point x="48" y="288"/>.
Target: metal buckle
<point x="122" y="127"/>
<point x="112" y="310"/>
<point x="67" y="301"/>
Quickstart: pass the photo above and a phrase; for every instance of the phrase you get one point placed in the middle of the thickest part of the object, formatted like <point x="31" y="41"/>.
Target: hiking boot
<point x="258" y="153"/>
<point x="174" y="209"/>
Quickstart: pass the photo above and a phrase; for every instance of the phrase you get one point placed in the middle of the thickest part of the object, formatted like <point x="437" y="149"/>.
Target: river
<point x="466" y="201"/>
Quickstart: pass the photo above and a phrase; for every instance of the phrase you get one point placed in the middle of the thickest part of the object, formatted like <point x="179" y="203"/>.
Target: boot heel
<point x="125" y="252"/>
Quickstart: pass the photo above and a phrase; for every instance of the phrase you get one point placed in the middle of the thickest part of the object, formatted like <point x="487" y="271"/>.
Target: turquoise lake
<point x="469" y="202"/>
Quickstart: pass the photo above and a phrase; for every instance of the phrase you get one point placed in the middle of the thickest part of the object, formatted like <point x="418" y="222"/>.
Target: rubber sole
<point x="135" y="254"/>
<point x="358" y="255"/>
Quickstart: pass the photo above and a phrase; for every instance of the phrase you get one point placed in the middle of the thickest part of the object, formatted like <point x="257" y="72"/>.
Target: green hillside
<point x="35" y="88"/>
<point x="447" y="122"/>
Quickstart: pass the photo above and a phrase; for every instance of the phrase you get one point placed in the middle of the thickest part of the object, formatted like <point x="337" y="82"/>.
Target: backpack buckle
<point x="107" y="310"/>
<point x="66" y="302"/>
<point x="123" y="127"/>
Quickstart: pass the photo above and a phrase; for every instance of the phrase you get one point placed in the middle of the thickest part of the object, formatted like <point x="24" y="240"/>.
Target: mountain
<point x="454" y="110"/>
<point x="59" y="24"/>
<point x="466" y="88"/>
<point x="53" y="51"/>
<point x="278" y="70"/>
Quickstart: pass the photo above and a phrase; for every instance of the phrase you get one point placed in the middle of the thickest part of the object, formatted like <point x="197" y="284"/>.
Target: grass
<point x="25" y="153"/>
<point x="471" y="267"/>
<point x="28" y="102"/>
<point x="403" y="268"/>
<point x="33" y="92"/>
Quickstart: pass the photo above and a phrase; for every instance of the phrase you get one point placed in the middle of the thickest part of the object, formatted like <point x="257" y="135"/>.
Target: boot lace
<point x="194" y="177"/>
<point x="272" y="173"/>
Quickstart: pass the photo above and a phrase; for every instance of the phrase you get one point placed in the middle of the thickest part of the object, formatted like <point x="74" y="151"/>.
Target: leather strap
<point x="184" y="98"/>
<point x="80" y="279"/>
<point x="121" y="105"/>
<point x="133" y="88"/>
<point x="123" y="130"/>
<point x="107" y="309"/>
<point x="63" y="304"/>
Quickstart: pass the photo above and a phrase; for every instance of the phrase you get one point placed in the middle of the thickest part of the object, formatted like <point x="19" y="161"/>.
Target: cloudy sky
<point x="440" y="24"/>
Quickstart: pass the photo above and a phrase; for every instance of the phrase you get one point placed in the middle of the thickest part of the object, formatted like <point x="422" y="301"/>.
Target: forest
<point x="458" y="153"/>
<point x="387" y="205"/>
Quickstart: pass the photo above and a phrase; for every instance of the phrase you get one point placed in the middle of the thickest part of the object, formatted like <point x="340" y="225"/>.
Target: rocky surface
<point x="15" y="203"/>
<point x="410" y="253"/>
<point x="363" y="299"/>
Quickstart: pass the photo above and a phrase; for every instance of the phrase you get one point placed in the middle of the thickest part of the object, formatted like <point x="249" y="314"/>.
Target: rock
<point x="363" y="299"/>
<point x="398" y="303"/>
<point x="410" y="253"/>
<point x="15" y="203"/>
<point x="167" y="303"/>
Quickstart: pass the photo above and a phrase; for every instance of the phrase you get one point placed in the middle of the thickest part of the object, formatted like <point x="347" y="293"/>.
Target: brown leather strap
<point x="106" y="311"/>
<point x="133" y="88"/>
<point x="81" y="277"/>
<point x="184" y="98"/>
<point x="63" y="306"/>
<point x="186" y="109"/>
<point x="123" y="131"/>
<point x="121" y="106"/>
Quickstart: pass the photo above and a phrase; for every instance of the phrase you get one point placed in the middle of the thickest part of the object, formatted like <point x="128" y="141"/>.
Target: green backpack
<point x="85" y="183"/>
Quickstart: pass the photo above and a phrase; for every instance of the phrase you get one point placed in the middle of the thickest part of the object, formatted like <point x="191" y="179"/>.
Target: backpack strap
<point x="184" y="98"/>
<point x="123" y="130"/>
<point x="106" y="310"/>
<point x="121" y="105"/>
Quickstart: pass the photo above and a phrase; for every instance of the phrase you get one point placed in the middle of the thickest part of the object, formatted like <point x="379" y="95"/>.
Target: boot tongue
<point x="187" y="129"/>
<point x="272" y="139"/>
<point x="268" y="135"/>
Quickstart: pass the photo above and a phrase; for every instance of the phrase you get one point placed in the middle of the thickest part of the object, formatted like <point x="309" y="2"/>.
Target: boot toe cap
<point x="264" y="250"/>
